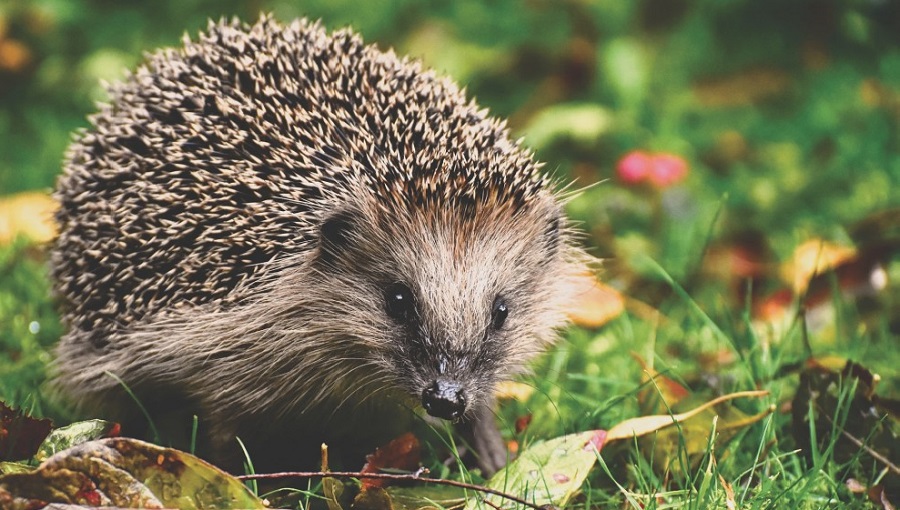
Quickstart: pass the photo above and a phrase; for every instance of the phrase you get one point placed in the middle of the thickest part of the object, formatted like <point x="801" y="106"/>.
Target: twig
<point x="879" y="457"/>
<point x="391" y="476"/>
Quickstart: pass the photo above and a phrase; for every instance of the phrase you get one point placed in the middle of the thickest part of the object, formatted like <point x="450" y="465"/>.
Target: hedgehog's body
<point x="274" y="223"/>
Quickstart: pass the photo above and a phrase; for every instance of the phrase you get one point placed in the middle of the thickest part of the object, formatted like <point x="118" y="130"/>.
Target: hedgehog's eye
<point x="399" y="302"/>
<point x="498" y="313"/>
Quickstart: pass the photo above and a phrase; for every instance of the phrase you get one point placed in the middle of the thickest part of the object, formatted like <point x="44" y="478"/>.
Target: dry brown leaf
<point x="811" y="258"/>
<point x="372" y="498"/>
<point x="29" y="214"/>
<point x="513" y="390"/>
<point x="648" y="424"/>
<point x="402" y="453"/>
<point x="595" y="303"/>
<point x="855" y="486"/>
<point x="743" y="88"/>
<point x="20" y="434"/>
<point x="14" y="55"/>
<point x="126" y="473"/>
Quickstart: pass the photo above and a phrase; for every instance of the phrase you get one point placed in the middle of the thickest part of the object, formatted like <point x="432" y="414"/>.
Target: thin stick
<point x="390" y="476"/>
<point x="884" y="460"/>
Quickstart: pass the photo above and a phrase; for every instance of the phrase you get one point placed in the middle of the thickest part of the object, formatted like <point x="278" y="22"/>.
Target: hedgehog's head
<point x="451" y="296"/>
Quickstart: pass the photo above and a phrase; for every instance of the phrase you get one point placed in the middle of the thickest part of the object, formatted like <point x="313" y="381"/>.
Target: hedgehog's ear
<point x="335" y="235"/>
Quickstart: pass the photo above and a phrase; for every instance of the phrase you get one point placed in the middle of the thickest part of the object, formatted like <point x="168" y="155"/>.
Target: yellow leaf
<point x="512" y="390"/>
<point x="595" y="303"/>
<point x="29" y="214"/>
<point x="14" y="55"/>
<point x="648" y="424"/>
<point x="811" y="258"/>
<point x="742" y="88"/>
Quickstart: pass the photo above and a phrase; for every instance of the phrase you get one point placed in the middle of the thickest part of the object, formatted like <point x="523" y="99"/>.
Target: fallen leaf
<point x="402" y="453"/>
<point x="667" y="446"/>
<point x="849" y="424"/>
<point x="811" y="258"/>
<point x="128" y="473"/>
<point x="742" y="88"/>
<point x="333" y="490"/>
<point x="14" y="55"/>
<point x="36" y="489"/>
<point x="878" y="495"/>
<point x="854" y="486"/>
<point x="14" y="467"/>
<point x="774" y="307"/>
<point x="372" y="498"/>
<point x="714" y="361"/>
<point x="20" y="435"/>
<point x="513" y="390"/>
<point x="547" y="473"/>
<point x="426" y="497"/>
<point x="29" y="214"/>
<point x="75" y="434"/>
<point x="595" y="303"/>
<point x="522" y="423"/>
<point x="643" y="425"/>
<point x="856" y="276"/>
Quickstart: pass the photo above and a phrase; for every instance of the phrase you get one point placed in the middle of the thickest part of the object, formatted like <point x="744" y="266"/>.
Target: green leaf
<point x="14" y="467"/>
<point x="373" y="498"/>
<point x="74" y="434"/>
<point x="580" y="122"/>
<point x="129" y="473"/>
<point x="334" y="493"/>
<point x="626" y="67"/>
<point x="547" y="473"/>
<point x="426" y="496"/>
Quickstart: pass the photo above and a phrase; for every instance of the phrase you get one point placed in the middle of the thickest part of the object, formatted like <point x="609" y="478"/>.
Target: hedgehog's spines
<point x="191" y="249"/>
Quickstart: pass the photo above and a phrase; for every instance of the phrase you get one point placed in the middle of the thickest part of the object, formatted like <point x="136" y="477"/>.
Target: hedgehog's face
<point x="450" y="305"/>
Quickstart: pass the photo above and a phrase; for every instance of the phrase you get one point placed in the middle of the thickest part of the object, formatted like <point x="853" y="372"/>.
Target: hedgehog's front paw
<point x="484" y="437"/>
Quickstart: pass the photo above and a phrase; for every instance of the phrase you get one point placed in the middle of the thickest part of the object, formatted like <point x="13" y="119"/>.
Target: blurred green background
<point x="788" y="108"/>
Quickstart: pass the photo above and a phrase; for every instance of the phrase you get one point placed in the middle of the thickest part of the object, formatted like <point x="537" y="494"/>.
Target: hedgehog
<point x="301" y="238"/>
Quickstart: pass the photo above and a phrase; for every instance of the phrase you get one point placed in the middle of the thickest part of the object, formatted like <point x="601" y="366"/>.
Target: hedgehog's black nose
<point x="444" y="399"/>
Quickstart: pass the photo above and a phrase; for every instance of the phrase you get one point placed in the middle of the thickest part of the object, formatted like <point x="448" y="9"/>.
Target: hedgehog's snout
<point x="444" y="398"/>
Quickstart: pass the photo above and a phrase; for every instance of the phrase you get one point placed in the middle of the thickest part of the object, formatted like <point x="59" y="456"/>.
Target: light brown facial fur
<point x="457" y="264"/>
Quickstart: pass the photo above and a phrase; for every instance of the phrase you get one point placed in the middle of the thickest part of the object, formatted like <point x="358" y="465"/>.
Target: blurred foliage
<point x="787" y="111"/>
<point x="786" y="115"/>
<point x="29" y="326"/>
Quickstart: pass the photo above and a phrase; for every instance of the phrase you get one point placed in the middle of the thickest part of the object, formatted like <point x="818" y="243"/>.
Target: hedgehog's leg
<point x="482" y="434"/>
<point x="221" y="447"/>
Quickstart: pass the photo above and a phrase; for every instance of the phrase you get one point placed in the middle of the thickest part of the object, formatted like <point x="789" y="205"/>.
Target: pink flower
<point x="659" y="170"/>
<point x="635" y="167"/>
<point x="667" y="169"/>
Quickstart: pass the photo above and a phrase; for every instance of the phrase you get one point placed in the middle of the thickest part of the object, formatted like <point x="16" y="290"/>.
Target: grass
<point x="590" y="381"/>
<point x="29" y="327"/>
